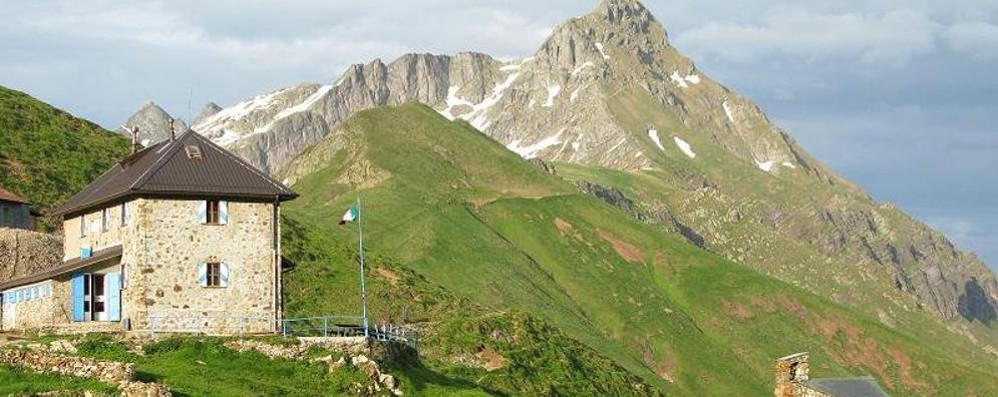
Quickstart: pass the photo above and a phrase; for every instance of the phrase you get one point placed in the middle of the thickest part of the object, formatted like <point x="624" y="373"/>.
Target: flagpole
<point x="363" y="289"/>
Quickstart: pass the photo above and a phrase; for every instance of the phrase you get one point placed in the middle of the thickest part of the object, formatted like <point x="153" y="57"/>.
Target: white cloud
<point x="891" y="37"/>
<point x="977" y="39"/>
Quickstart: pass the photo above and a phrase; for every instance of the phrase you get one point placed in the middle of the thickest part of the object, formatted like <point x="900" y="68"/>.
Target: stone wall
<point x="162" y="267"/>
<point x="162" y="245"/>
<point x="48" y="359"/>
<point x="23" y="253"/>
<point x="41" y="309"/>
<point x="105" y="371"/>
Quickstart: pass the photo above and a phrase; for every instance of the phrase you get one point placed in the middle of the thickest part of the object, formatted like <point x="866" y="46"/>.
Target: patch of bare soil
<point x="626" y="250"/>
<point x="392" y="277"/>
<point x="763" y="303"/>
<point x="490" y="359"/>
<point x="736" y="310"/>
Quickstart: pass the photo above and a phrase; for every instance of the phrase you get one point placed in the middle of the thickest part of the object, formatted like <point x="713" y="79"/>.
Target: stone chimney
<point x="171" y="132"/>
<point x="791" y="371"/>
<point x="135" y="140"/>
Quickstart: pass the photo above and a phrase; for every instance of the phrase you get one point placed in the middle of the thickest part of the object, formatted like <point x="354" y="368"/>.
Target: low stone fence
<point x="351" y="347"/>
<point x="105" y="371"/>
<point x="40" y="358"/>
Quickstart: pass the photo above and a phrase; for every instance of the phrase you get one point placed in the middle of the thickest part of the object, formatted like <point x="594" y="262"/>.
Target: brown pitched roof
<point x="166" y="169"/>
<point x="68" y="266"/>
<point x="7" y="195"/>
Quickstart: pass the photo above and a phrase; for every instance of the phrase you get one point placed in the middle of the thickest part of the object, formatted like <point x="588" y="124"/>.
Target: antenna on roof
<point x="190" y="93"/>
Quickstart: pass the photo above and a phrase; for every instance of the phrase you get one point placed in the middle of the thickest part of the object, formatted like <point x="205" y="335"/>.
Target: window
<point x="105" y="220"/>
<point x="193" y="152"/>
<point x="124" y="214"/>
<point x="83" y="225"/>
<point x="214" y="275"/>
<point x="213" y="214"/>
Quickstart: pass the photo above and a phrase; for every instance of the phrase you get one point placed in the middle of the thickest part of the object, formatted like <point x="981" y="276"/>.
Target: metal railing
<point x="395" y="333"/>
<point x="322" y="326"/>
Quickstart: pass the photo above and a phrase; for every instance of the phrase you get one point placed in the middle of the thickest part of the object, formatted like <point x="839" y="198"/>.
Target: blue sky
<point x="898" y="96"/>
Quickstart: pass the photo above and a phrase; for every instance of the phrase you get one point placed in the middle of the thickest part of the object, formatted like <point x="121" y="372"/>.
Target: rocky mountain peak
<point x="623" y="12"/>
<point x="153" y="123"/>
<point x="209" y="109"/>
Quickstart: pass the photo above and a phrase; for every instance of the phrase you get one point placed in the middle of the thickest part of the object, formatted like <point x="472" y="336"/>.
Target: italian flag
<point x="350" y="215"/>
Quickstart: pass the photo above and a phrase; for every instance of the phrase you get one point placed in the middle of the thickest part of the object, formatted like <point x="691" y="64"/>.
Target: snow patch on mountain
<point x="304" y="105"/>
<point x="452" y="101"/>
<point x="727" y="111"/>
<point x="622" y="140"/>
<point x="214" y="124"/>
<point x="581" y="67"/>
<point x="653" y="134"/>
<point x="227" y="138"/>
<point x="789" y="164"/>
<point x="599" y="46"/>
<point x="529" y="152"/>
<point x="552" y="93"/>
<point x="685" y="147"/>
<point x="515" y="65"/>
<point x="575" y="94"/>
<point x="766" y="166"/>
<point x="684" y="82"/>
<point x="478" y="116"/>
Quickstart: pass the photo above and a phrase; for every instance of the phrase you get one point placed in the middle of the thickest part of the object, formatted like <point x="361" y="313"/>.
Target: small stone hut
<point x="792" y="380"/>
<point x="180" y="236"/>
<point x="15" y="212"/>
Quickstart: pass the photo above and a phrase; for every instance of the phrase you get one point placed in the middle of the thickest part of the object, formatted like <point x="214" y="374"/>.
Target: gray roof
<point x="68" y="266"/>
<point x="847" y="387"/>
<point x="165" y="169"/>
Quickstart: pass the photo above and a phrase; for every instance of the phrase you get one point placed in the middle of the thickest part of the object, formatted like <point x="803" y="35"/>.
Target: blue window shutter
<point x="203" y="274"/>
<point x="203" y="212"/>
<point x="77" y="286"/>
<point x="223" y="212"/>
<point x="112" y="285"/>
<point x="86" y="251"/>
<point x="223" y="278"/>
<point x="48" y="289"/>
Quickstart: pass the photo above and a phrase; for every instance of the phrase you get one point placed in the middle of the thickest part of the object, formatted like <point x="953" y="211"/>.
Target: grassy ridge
<point x="455" y="209"/>
<point x="46" y="154"/>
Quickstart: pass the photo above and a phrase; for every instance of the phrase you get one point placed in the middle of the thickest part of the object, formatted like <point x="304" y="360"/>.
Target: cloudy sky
<point x="897" y="95"/>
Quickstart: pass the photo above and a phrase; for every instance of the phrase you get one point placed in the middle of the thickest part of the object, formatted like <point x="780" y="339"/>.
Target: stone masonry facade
<point x="162" y="244"/>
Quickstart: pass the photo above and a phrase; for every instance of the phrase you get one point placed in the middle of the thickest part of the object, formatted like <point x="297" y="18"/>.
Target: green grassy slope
<point x="487" y="235"/>
<point x="21" y="382"/>
<point x="776" y="223"/>
<point x="46" y="154"/>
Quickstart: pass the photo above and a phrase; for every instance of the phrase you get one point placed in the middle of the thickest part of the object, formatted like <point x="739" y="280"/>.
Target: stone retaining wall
<point x="105" y="371"/>
<point x="40" y="358"/>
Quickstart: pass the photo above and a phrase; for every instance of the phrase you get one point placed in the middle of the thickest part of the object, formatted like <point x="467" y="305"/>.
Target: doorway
<point x="94" y="298"/>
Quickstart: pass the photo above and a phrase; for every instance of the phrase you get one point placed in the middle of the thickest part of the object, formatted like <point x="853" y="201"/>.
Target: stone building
<point x="792" y="380"/>
<point x="15" y="213"/>
<point x="180" y="236"/>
